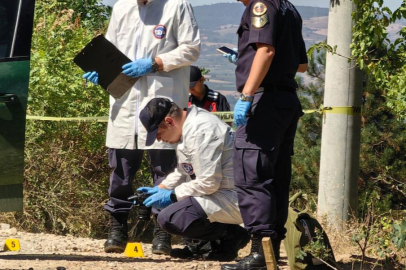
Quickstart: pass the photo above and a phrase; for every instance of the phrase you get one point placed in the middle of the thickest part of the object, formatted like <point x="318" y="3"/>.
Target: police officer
<point x="202" y="96"/>
<point x="198" y="199"/>
<point x="270" y="52"/>
<point x="162" y="39"/>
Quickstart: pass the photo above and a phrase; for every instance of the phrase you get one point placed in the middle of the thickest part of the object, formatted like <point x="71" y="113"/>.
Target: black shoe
<point x="194" y="249"/>
<point x="254" y="261"/>
<point x="161" y="244"/>
<point x="118" y="237"/>
<point x="234" y="239"/>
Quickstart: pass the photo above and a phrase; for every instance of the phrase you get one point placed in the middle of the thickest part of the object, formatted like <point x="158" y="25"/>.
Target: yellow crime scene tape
<point x="345" y="110"/>
<point x="225" y="116"/>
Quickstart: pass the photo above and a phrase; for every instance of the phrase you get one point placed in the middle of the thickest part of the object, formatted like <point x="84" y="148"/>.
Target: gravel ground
<point x="47" y="251"/>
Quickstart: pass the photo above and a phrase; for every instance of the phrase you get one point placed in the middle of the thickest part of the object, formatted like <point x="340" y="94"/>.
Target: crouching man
<point x="198" y="200"/>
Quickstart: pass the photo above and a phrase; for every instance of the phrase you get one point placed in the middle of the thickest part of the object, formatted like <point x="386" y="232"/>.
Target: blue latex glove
<point x="159" y="200"/>
<point x="148" y="190"/>
<point x="233" y="58"/>
<point x="240" y="112"/>
<point x="92" y="77"/>
<point x="138" y="68"/>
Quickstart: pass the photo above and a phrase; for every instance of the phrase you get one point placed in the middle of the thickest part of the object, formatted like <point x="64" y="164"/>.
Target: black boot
<point x="234" y="239"/>
<point x="254" y="261"/>
<point x="193" y="249"/>
<point x="161" y="244"/>
<point x="118" y="237"/>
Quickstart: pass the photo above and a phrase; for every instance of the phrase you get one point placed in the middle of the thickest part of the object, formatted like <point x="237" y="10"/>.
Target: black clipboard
<point x="102" y="56"/>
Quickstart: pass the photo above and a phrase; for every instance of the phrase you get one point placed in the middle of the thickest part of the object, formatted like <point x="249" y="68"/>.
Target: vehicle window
<point x="22" y="44"/>
<point x="8" y="15"/>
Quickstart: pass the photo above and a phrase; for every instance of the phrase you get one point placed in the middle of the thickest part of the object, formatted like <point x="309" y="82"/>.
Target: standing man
<point x="202" y="96"/>
<point x="270" y="52"/>
<point x="198" y="199"/>
<point x="163" y="40"/>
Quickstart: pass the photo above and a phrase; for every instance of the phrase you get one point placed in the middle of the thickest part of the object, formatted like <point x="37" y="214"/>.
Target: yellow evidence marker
<point x="134" y="250"/>
<point x="12" y="245"/>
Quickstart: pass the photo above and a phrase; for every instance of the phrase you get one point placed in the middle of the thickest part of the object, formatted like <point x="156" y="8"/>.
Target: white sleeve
<point x="174" y="179"/>
<point x="206" y="150"/>
<point x="188" y="38"/>
<point x="111" y="34"/>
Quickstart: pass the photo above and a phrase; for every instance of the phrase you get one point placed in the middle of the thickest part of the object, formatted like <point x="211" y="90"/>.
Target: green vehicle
<point x="16" y="23"/>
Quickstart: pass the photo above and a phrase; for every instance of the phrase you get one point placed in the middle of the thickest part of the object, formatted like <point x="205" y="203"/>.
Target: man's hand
<point x="240" y="112"/>
<point x="160" y="200"/>
<point x="138" y="68"/>
<point x="93" y="77"/>
<point x="233" y="58"/>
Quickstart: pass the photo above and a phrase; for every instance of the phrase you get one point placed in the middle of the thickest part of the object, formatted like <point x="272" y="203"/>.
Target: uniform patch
<point x="259" y="9"/>
<point x="188" y="168"/>
<point x="159" y="31"/>
<point x="259" y="22"/>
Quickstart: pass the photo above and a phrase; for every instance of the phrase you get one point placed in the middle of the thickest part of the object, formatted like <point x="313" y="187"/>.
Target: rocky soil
<point x="52" y="252"/>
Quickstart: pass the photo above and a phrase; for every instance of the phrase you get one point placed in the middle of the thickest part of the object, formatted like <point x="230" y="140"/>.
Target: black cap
<point x="195" y="76"/>
<point x="152" y="115"/>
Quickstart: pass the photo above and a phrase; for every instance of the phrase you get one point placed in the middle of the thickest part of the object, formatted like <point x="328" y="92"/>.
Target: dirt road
<point x="48" y="252"/>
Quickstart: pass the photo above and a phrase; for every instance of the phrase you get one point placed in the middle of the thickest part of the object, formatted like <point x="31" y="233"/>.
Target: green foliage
<point x="306" y="161"/>
<point x="379" y="235"/>
<point x="204" y="71"/>
<point x="382" y="59"/>
<point x="67" y="173"/>
<point x="61" y="30"/>
<point x="317" y="248"/>
<point x="398" y="236"/>
<point x="382" y="155"/>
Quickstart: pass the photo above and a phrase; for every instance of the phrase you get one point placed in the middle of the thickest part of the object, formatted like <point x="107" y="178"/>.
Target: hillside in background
<point x="218" y="25"/>
<point x="211" y="16"/>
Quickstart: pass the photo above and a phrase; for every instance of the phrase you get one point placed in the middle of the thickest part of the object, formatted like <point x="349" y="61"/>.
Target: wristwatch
<point x="174" y="199"/>
<point x="244" y="97"/>
<point x="154" y="66"/>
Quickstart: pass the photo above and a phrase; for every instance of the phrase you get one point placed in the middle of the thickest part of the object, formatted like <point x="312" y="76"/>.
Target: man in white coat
<point x="162" y="39"/>
<point x="198" y="200"/>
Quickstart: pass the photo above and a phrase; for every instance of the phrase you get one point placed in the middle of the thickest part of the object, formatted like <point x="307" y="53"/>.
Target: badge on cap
<point x="188" y="168"/>
<point x="259" y="22"/>
<point x="259" y="9"/>
<point x="159" y="31"/>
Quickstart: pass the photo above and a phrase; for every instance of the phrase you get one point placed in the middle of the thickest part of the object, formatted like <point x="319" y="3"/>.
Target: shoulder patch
<point x="188" y="168"/>
<point x="259" y="22"/>
<point x="259" y="9"/>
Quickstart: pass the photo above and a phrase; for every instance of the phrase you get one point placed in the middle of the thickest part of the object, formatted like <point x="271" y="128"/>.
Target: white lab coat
<point x="205" y="153"/>
<point x="162" y="28"/>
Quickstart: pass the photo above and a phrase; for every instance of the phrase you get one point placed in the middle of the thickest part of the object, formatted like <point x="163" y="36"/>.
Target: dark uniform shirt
<point x="212" y="101"/>
<point x="276" y="23"/>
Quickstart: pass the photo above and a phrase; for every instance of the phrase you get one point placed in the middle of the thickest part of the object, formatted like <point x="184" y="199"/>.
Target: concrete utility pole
<point x="340" y="144"/>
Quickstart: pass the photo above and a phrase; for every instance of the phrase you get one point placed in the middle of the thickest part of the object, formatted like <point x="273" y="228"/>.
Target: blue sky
<point x="392" y="4"/>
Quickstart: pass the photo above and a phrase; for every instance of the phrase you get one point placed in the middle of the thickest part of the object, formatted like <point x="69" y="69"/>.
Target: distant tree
<point x="382" y="156"/>
<point x="61" y="30"/>
<point x="386" y="71"/>
<point x="306" y="161"/>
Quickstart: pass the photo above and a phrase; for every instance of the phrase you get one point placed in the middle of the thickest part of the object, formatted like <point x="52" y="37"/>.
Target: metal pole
<point x="340" y="145"/>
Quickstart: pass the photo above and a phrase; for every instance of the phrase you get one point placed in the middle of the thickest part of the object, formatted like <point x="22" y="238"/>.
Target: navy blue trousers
<point x="187" y="218"/>
<point x="125" y="164"/>
<point x="262" y="161"/>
